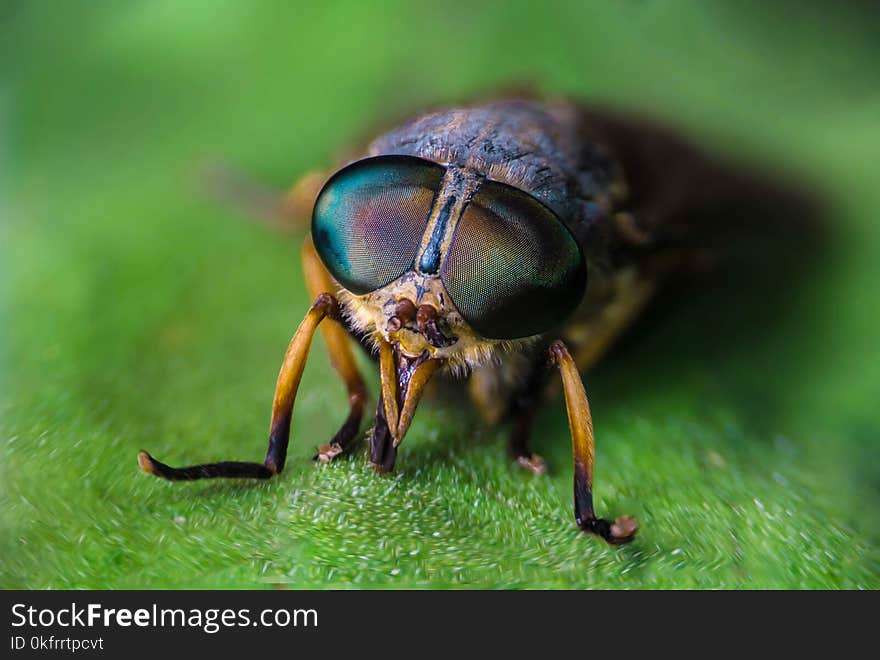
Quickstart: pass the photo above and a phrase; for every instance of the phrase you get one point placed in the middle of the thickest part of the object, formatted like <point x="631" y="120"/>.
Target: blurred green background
<point x="739" y="423"/>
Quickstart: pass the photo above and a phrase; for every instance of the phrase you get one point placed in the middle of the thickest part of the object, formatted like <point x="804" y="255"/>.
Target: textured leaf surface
<point x="738" y="423"/>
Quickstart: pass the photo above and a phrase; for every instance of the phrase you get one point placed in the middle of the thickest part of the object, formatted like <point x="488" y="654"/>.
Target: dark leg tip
<point x="533" y="463"/>
<point x="621" y="531"/>
<point x="226" y="469"/>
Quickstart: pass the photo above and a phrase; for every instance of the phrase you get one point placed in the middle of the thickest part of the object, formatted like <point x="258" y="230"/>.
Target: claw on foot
<point x="533" y="463"/>
<point x="327" y="453"/>
<point x="621" y="531"/>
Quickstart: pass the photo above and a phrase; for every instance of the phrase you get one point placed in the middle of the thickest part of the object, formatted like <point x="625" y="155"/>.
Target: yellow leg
<point x="581" y="426"/>
<point x="289" y="378"/>
<point x="631" y="291"/>
<point x="282" y="409"/>
<point x="592" y="338"/>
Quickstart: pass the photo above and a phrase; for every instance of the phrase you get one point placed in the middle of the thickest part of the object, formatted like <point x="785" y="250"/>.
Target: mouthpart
<point x="403" y="380"/>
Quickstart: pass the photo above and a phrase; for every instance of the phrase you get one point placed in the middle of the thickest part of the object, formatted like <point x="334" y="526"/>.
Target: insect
<point x="491" y="243"/>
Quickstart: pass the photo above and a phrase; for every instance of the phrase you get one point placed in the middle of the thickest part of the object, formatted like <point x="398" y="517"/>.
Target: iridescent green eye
<point x="513" y="269"/>
<point x="369" y="219"/>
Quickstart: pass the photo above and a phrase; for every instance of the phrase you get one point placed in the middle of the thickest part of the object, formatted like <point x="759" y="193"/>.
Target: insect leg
<point x="580" y="423"/>
<point x="341" y="355"/>
<point x="523" y="409"/>
<point x="282" y="410"/>
<point x="633" y="291"/>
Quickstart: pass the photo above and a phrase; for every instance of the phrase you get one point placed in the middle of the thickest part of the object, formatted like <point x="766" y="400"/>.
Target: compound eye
<point x="370" y="216"/>
<point x="513" y="269"/>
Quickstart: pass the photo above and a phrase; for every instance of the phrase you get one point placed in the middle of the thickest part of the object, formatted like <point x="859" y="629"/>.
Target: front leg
<point x="289" y="378"/>
<point x="580" y="422"/>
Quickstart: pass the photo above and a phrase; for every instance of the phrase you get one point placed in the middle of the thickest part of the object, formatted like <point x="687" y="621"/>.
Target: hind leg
<point x="591" y="338"/>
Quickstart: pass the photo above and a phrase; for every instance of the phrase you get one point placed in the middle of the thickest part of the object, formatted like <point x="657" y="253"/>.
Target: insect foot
<point x="580" y="424"/>
<point x="622" y="531"/>
<point x="327" y="453"/>
<point x="533" y="463"/>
